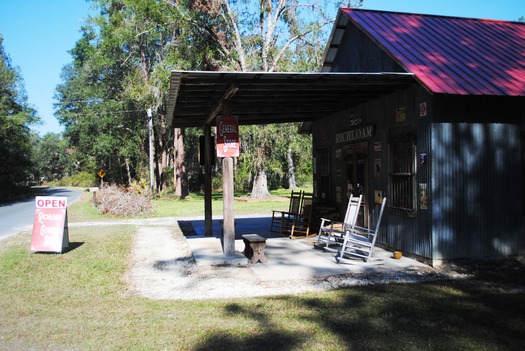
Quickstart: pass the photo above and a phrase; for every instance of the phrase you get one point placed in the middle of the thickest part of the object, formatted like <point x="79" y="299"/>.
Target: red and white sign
<point x="227" y="136"/>
<point x="50" y="232"/>
<point x="422" y="109"/>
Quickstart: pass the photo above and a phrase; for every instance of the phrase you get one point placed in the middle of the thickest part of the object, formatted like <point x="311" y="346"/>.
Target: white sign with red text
<point x="227" y="136"/>
<point x="50" y="233"/>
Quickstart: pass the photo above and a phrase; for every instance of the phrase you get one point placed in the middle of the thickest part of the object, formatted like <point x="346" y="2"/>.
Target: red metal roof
<point x="451" y="55"/>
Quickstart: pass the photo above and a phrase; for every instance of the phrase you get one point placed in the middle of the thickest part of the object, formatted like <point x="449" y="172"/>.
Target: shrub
<point x="117" y="201"/>
<point x="82" y="179"/>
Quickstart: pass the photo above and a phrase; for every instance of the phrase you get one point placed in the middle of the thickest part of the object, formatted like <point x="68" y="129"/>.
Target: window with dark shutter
<point x="402" y="192"/>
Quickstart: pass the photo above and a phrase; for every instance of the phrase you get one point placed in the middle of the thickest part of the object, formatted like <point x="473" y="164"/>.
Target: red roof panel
<point x="451" y="55"/>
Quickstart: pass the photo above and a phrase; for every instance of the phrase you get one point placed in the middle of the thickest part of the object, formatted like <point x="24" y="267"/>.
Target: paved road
<point x="16" y="217"/>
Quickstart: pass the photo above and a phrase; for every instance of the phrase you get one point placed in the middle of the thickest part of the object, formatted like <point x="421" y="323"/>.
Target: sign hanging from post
<point x="227" y="136"/>
<point x="50" y="232"/>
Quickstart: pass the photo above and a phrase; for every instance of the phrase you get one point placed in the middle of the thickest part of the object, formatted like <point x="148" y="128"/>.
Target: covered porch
<point x="197" y="98"/>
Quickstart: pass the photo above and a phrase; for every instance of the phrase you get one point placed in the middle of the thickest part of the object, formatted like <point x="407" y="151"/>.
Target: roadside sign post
<point x="50" y="231"/>
<point x="102" y="173"/>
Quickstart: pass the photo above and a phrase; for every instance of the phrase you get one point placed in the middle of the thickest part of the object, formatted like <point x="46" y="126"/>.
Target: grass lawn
<point x="77" y="301"/>
<point x="192" y="206"/>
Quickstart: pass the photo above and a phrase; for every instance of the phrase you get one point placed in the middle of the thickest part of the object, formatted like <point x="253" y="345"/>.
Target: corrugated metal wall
<point x="476" y="190"/>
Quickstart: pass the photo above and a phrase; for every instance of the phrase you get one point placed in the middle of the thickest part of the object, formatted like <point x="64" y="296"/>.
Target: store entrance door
<point x="356" y="160"/>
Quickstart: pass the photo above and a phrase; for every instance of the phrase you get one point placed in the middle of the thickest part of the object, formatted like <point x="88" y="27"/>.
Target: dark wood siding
<point x="476" y="191"/>
<point x="359" y="54"/>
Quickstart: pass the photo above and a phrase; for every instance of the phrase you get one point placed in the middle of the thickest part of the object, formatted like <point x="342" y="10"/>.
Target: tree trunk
<point x="260" y="186"/>
<point x="291" y="170"/>
<point x="128" y="170"/>
<point x="181" y="183"/>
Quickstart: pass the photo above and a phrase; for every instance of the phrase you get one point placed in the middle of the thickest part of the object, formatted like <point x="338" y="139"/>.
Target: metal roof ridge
<point x="432" y="15"/>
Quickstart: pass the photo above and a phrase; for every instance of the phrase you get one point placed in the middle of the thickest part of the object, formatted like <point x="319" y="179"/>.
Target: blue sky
<point x="38" y="34"/>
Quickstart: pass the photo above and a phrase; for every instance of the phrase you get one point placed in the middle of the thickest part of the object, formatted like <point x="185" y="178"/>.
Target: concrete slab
<point x="297" y="259"/>
<point x="207" y="251"/>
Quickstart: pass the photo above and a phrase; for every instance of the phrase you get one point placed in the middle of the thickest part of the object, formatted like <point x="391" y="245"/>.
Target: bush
<point x="82" y="179"/>
<point x="117" y="201"/>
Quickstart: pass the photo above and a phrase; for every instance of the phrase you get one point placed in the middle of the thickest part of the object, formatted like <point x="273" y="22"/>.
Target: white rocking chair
<point x="359" y="241"/>
<point x="331" y="233"/>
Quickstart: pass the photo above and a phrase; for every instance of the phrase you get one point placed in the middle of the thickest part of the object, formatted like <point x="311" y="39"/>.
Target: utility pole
<point x="151" y="174"/>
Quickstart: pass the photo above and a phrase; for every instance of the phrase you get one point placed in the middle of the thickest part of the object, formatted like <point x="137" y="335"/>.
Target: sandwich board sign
<point x="50" y="232"/>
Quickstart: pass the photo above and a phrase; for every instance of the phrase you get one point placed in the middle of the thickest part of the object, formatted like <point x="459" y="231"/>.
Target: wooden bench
<point x="254" y="247"/>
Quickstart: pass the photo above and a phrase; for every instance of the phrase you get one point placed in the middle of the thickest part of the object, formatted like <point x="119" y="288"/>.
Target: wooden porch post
<point x="228" y="211"/>
<point x="208" y="227"/>
<point x="228" y="214"/>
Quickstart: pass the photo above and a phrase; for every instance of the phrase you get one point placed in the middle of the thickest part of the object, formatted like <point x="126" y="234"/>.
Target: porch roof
<point x="196" y="97"/>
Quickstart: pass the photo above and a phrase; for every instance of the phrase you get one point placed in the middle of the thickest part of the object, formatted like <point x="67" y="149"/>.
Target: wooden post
<point x="228" y="212"/>
<point x="208" y="227"/>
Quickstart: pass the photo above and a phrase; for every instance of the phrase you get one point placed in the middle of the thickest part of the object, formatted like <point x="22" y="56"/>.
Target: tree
<point x="268" y="35"/>
<point x="51" y="158"/>
<point x="121" y="67"/>
<point x="16" y="116"/>
<point x="113" y="80"/>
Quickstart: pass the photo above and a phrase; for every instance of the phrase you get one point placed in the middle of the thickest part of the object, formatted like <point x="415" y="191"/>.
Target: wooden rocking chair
<point x="300" y="226"/>
<point x="331" y="233"/>
<point x="279" y="217"/>
<point x="359" y="241"/>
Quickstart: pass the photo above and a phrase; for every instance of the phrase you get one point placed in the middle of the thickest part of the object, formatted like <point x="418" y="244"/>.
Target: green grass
<point x="78" y="301"/>
<point x="192" y="206"/>
<point x="195" y="207"/>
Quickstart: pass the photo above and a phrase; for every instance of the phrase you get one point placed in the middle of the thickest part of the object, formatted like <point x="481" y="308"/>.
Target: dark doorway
<point x="356" y="161"/>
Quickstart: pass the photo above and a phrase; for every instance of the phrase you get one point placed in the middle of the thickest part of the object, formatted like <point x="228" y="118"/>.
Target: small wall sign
<point x="422" y="109"/>
<point x="355" y="121"/>
<point x="423" y="196"/>
<point x="378" y="196"/>
<point x="422" y="158"/>
<point x="401" y="114"/>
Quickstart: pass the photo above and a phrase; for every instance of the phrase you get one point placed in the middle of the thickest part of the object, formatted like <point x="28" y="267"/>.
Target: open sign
<point x="51" y="202"/>
<point x="50" y="232"/>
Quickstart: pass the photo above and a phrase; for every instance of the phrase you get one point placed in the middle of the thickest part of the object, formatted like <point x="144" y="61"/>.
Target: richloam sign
<point x="227" y="136"/>
<point x="50" y="232"/>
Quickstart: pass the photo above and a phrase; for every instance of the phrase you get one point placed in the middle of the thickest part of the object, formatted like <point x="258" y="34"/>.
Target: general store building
<point x="427" y="111"/>
<point x="448" y="151"/>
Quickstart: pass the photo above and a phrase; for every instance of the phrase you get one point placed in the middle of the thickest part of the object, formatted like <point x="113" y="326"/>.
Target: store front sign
<point x="356" y="134"/>
<point x="227" y="136"/>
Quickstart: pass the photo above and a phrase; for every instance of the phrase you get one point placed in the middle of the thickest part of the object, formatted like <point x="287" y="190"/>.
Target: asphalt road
<point x="16" y="217"/>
